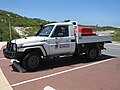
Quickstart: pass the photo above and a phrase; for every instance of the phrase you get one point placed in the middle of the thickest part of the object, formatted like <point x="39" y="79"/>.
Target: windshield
<point x="45" y="31"/>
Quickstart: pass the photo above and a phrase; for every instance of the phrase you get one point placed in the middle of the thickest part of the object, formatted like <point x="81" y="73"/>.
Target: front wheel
<point x="31" y="61"/>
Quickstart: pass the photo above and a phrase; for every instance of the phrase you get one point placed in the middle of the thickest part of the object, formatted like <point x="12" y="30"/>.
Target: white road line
<point x="48" y="88"/>
<point x="4" y="84"/>
<point x="58" y="73"/>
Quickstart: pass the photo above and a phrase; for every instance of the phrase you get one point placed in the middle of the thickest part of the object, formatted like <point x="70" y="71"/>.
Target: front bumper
<point x="12" y="54"/>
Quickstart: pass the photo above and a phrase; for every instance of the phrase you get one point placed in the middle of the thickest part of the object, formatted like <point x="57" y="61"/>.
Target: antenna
<point x="10" y="31"/>
<point x="67" y="21"/>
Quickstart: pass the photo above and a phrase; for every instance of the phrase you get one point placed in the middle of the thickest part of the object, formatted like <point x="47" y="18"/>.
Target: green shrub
<point x="116" y="35"/>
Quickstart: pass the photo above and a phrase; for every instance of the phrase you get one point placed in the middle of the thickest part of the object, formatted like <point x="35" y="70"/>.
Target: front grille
<point x="11" y="46"/>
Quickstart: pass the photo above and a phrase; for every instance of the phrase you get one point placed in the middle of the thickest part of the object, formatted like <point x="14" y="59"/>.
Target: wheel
<point x="31" y="61"/>
<point x="92" y="54"/>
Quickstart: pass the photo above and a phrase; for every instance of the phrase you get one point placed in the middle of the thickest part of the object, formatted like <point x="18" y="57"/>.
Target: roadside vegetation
<point x="9" y="20"/>
<point x="115" y="35"/>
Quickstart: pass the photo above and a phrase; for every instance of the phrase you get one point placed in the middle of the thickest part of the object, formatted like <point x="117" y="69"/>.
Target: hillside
<point x="28" y="26"/>
<point x="13" y="20"/>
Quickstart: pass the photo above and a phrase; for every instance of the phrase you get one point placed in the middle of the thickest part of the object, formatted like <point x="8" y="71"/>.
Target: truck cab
<point x="61" y="38"/>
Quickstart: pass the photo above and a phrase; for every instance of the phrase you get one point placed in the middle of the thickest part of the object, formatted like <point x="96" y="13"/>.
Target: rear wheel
<point x="92" y="53"/>
<point x="31" y="61"/>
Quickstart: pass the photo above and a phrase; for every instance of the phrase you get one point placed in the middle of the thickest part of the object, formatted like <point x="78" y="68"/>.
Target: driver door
<point x="60" y="41"/>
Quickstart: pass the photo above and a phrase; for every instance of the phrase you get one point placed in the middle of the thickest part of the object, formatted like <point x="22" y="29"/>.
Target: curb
<point x="4" y="84"/>
<point x="2" y="44"/>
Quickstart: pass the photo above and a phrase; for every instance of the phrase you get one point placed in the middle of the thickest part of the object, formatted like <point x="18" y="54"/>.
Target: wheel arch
<point x="40" y="50"/>
<point x="98" y="46"/>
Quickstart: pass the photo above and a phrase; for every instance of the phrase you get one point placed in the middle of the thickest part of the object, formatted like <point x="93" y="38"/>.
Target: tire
<point x="92" y="53"/>
<point x="31" y="61"/>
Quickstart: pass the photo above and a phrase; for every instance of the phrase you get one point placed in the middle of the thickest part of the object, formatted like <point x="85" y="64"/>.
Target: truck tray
<point x="94" y="39"/>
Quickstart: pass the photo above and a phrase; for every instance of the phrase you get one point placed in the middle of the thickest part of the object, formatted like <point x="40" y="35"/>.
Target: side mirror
<point x="41" y="26"/>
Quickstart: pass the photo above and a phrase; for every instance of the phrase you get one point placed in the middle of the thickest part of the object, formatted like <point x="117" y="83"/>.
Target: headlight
<point x="14" y="47"/>
<point x="11" y="46"/>
<point x="19" y="46"/>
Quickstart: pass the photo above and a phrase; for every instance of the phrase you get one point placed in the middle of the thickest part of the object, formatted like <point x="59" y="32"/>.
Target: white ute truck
<point x="54" y="40"/>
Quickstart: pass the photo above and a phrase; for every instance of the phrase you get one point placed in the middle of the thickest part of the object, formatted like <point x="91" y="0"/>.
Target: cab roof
<point x="62" y="23"/>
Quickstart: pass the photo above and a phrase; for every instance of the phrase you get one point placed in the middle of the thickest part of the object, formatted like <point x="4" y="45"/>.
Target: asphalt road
<point x="68" y="73"/>
<point x="112" y="50"/>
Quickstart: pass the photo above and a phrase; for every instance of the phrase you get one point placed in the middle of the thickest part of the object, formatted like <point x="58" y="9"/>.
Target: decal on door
<point x="64" y="45"/>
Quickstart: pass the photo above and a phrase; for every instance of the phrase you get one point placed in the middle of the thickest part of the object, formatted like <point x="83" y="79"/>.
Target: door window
<point x="61" y="31"/>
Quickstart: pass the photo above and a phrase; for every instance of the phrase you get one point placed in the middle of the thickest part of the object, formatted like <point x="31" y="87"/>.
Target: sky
<point x="87" y="12"/>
